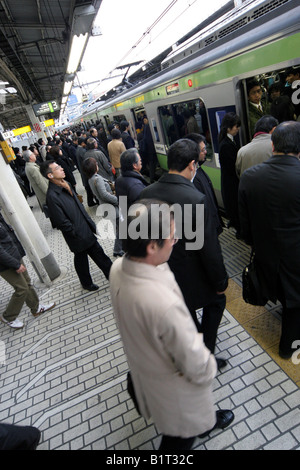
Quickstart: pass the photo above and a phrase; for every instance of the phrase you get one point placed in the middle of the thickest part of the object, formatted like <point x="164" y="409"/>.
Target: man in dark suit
<point x="126" y="137"/>
<point x="68" y="215"/>
<point x="257" y="106"/>
<point x="199" y="271"/>
<point x="269" y="204"/>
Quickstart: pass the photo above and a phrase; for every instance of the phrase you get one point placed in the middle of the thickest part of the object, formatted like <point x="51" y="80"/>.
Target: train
<point x="208" y="77"/>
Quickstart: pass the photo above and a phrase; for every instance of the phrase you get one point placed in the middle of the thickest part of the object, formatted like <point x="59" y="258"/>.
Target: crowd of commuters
<point x="159" y="286"/>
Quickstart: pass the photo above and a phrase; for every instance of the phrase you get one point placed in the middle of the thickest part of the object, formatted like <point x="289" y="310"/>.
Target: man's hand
<point x="21" y="269"/>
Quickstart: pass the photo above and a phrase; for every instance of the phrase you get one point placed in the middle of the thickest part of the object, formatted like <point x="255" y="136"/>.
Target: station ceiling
<point x="35" y="40"/>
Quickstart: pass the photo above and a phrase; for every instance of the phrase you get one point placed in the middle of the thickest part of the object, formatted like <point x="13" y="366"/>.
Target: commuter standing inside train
<point x="199" y="271"/>
<point x="172" y="370"/>
<point x="269" y="203"/>
<point x="258" y="106"/>
<point x="228" y="149"/>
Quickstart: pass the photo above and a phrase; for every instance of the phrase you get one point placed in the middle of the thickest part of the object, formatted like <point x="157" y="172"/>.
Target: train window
<point x="184" y="118"/>
<point x="154" y="127"/>
<point x="119" y="118"/>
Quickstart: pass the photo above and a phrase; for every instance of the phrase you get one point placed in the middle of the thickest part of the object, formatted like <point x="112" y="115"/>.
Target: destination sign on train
<point x="45" y="108"/>
<point x="171" y="89"/>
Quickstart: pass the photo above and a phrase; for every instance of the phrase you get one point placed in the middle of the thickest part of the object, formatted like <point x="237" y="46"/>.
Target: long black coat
<point x="200" y="273"/>
<point x="269" y="203"/>
<point x="229" y="181"/>
<point x="68" y="215"/>
<point x="203" y="183"/>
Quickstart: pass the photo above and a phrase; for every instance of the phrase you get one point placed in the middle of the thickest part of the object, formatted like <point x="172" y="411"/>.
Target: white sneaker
<point x="17" y="324"/>
<point x="43" y="309"/>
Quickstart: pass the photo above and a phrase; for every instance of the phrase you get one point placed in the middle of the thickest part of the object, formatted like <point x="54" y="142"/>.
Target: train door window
<point x="154" y="127"/>
<point x="119" y="118"/>
<point x="275" y="97"/>
<point x="180" y="119"/>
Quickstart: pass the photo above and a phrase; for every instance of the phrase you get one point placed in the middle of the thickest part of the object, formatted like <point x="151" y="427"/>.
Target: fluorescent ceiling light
<point x="78" y="45"/>
<point x="67" y="87"/>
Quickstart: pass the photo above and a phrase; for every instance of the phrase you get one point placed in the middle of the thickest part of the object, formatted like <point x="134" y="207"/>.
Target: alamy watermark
<point x="296" y="93"/>
<point x="189" y="222"/>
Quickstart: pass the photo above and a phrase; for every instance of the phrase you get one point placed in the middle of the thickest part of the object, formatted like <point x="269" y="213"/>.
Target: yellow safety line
<point x="262" y="325"/>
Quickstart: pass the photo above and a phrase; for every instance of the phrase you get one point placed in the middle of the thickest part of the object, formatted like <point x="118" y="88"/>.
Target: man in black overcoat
<point x="269" y="206"/>
<point x="68" y="215"/>
<point x="200" y="272"/>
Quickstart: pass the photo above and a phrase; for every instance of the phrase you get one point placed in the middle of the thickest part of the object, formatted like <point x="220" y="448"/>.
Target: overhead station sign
<point x="45" y="108"/>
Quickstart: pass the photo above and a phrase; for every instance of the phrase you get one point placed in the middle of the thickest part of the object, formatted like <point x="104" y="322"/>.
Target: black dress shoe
<point x="221" y="362"/>
<point x="285" y="355"/>
<point x="92" y="287"/>
<point x="224" y="418"/>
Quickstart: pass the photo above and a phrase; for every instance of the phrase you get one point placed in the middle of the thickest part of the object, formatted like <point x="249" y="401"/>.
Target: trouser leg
<point x="14" y="437"/>
<point x="18" y="282"/>
<point x="211" y="319"/>
<point x="103" y="262"/>
<point x="290" y="329"/>
<point x="176" y="443"/>
<point x="81" y="264"/>
<point x="32" y="299"/>
<point x="118" y="242"/>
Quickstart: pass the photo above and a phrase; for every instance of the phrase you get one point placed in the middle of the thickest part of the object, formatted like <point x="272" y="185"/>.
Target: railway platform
<point x="65" y="372"/>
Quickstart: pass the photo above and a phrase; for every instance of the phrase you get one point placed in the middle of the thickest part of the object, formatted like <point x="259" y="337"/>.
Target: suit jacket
<point x="200" y="273"/>
<point x="269" y="202"/>
<point x="255" y="114"/>
<point x="171" y="368"/>
<point x="68" y="215"/>
<point x="127" y="140"/>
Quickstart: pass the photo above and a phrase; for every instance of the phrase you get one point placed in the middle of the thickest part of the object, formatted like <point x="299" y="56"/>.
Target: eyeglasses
<point x="196" y="165"/>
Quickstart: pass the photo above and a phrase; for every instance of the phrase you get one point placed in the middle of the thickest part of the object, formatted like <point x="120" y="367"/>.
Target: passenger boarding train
<point x="208" y="77"/>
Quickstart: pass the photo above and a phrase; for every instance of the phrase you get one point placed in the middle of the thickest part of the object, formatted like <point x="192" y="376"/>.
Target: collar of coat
<point x="146" y="271"/>
<point x="174" y="178"/>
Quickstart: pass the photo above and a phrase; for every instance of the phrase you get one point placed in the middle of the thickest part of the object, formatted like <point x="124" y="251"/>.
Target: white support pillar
<point x="20" y="216"/>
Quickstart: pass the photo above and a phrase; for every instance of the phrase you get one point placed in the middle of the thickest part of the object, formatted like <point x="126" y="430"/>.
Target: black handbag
<point x="252" y="290"/>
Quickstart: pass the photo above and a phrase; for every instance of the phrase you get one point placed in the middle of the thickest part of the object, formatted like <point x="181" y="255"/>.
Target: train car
<point x="207" y="77"/>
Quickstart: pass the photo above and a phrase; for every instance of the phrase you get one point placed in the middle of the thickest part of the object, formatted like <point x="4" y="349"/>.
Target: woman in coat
<point x="172" y="370"/>
<point x="102" y="191"/>
<point x="228" y="150"/>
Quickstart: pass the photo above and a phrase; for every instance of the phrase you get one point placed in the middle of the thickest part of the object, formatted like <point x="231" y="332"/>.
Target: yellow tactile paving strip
<point x="264" y="327"/>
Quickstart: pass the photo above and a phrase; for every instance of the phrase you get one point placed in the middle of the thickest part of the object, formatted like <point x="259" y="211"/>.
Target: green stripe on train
<point x="263" y="56"/>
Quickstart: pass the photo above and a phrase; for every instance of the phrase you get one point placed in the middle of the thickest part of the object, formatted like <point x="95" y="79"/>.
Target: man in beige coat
<point x="115" y="148"/>
<point x="171" y="368"/>
<point x="38" y="183"/>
